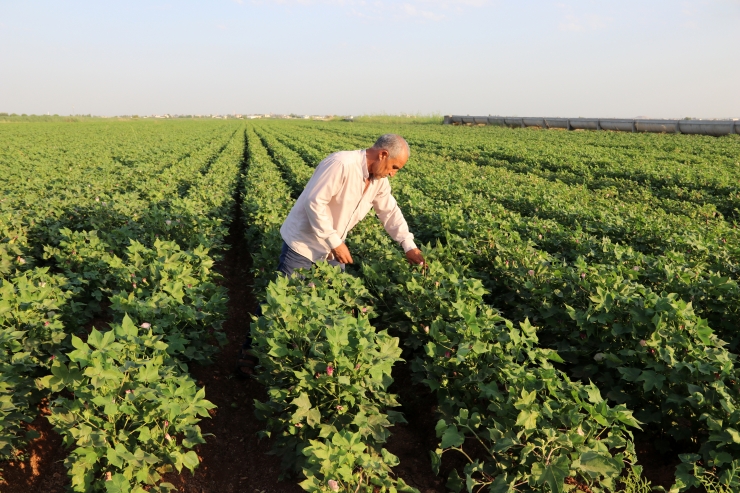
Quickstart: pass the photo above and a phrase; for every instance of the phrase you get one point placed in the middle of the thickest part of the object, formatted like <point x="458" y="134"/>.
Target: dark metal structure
<point x="695" y="127"/>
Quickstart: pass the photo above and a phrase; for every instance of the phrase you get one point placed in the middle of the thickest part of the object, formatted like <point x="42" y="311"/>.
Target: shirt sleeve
<point x="326" y="182"/>
<point x="391" y="217"/>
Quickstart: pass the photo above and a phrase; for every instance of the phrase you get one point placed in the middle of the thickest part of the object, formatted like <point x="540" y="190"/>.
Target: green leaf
<point x="734" y="435"/>
<point x="652" y="380"/>
<point x="597" y="464"/>
<point x="455" y="482"/>
<point x="313" y="417"/>
<point x="504" y="444"/>
<point x="452" y="437"/>
<point x="117" y="484"/>
<point x="552" y="474"/>
<point x="128" y="328"/>
<point x="190" y="460"/>
<point x="527" y="419"/>
<point x="436" y="458"/>
<point x="705" y="334"/>
<point x="594" y="395"/>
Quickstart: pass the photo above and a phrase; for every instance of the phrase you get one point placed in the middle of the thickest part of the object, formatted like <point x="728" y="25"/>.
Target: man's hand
<point x="415" y="257"/>
<point x="341" y="254"/>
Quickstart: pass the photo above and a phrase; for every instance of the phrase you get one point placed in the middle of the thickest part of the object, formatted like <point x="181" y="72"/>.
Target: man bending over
<point x="340" y="193"/>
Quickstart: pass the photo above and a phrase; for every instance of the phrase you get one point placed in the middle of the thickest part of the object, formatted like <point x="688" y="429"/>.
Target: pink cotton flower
<point x="643" y="343"/>
<point x="531" y="272"/>
<point x="447" y="354"/>
<point x="426" y="329"/>
<point x="330" y="370"/>
<point x="145" y="325"/>
<point x="333" y="485"/>
<point x="168" y="437"/>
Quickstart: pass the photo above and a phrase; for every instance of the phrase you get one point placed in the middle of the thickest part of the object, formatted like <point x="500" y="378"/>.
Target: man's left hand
<point x="415" y="257"/>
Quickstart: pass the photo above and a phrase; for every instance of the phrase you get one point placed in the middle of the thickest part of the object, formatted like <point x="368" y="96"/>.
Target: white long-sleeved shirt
<point x="333" y="202"/>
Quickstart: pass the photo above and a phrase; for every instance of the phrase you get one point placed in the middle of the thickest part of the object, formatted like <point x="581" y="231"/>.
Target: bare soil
<point x="233" y="459"/>
<point x="44" y="468"/>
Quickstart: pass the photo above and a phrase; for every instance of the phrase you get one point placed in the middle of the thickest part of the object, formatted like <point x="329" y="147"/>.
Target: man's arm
<point x="395" y="224"/>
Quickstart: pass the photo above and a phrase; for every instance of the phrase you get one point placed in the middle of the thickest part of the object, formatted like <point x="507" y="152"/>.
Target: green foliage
<point x="601" y="240"/>
<point x="134" y="225"/>
<point x="129" y="412"/>
<point x="31" y="334"/>
<point x="327" y="372"/>
<point x="496" y="387"/>
<point x="344" y="462"/>
<point x="611" y="260"/>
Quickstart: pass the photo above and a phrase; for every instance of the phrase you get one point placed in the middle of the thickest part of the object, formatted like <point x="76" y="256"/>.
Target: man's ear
<point x="383" y="154"/>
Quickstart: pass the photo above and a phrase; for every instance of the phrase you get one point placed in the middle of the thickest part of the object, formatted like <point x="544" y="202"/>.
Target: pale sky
<point x="624" y="58"/>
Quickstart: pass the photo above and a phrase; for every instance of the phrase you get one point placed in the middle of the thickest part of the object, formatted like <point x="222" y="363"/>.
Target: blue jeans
<point x="290" y="260"/>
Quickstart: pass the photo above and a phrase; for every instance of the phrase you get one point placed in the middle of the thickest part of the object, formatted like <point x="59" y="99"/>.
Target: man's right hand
<point x="341" y="254"/>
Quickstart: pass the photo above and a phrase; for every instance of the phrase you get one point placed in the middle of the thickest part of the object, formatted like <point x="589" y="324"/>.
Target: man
<point x="340" y="193"/>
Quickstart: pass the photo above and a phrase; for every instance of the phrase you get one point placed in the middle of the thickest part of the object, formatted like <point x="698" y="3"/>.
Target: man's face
<point x="387" y="167"/>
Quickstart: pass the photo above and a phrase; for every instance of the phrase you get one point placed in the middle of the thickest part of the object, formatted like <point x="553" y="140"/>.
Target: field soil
<point x="233" y="459"/>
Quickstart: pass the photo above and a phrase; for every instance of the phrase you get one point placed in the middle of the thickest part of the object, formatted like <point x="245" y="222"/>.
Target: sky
<point x="624" y="58"/>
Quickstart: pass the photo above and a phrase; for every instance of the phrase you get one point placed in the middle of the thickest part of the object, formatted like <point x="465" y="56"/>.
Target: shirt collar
<point x="365" y="172"/>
